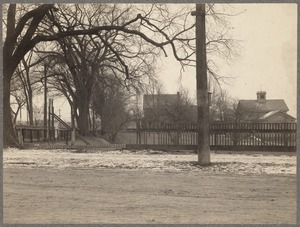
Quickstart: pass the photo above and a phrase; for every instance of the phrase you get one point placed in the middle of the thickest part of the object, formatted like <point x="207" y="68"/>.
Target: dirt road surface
<point x="90" y="195"/>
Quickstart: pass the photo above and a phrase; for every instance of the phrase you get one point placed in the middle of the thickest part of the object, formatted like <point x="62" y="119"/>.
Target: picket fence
<point x="223" y="136"/>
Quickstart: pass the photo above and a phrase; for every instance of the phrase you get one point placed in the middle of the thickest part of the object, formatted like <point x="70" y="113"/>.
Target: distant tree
<point x="112" y="103"/>
<point x="182" y="111"/>
<point x="30" y="81"/>
<point x="38" y="115"/>
<point x="246" y="114"/>
<point x="222" y="107"/>
<point x="155" y="90"/>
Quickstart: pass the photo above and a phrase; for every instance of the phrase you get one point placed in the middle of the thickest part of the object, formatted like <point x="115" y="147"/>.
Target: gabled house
<point x="264" y="110"/>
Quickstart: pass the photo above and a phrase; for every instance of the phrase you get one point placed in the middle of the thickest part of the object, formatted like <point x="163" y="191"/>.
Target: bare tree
<point x="38" y="115"/>
<point x="246" y="114"/>
<point x="181" y="111"/>
<point x="222" y="106"/>
<point x="30" y="81"/>
<point x="87" y="57"/>
<point x="112" y="103"/>
<point x="26" y="31"/>
<point x="153" y="101"/>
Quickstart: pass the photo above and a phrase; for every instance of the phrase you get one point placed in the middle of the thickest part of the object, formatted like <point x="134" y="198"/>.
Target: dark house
<point x="264" y="110"/>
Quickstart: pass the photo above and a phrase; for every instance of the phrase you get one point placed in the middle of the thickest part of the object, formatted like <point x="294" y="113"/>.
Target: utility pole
<point x="72" y="126"/>
<point x="45" y="102"/>
<point x="203" y="146"/>
<point x="49" y="128"/>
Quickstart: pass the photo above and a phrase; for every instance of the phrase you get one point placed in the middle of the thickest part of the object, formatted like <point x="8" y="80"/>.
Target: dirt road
<point x="74" y="195"/>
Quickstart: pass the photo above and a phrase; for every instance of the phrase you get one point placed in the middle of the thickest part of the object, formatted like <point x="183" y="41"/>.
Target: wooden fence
<point x="229" y="136"/>
<point x="223" y="136"/>
<point x="38" y="134"/>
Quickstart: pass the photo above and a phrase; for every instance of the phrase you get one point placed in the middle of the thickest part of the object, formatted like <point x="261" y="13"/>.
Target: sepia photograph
<point x="149" y="113"/>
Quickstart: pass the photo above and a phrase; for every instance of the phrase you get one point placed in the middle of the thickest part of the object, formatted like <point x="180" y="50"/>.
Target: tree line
<point x="97" y="56"/>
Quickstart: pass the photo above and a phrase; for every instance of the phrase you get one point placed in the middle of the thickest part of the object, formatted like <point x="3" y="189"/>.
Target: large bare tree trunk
<point x="9" y="137"/>
<point x="81" y="111"/>
<point x="202" y="93"/>
<point x="9" y="65"/>
<point x="83" y="123"/>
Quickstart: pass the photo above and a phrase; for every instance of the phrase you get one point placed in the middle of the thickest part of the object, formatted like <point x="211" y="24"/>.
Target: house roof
<point x="272" y="113"/>
<point x="160" y="99"/>
<point x="267" y="106"/>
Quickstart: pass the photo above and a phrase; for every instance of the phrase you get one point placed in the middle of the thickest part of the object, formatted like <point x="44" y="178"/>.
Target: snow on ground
<point x="150" y="160"/>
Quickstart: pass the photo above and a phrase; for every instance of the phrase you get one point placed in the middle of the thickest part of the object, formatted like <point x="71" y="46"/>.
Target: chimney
<point x="261" y="96"/>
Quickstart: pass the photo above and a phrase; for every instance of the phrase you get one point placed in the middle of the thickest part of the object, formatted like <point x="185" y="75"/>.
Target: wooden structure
<point x="48" y="132"/>
<point x="168" y="136"/>
<point x="223" y="136"/>
<point x="38" y="134"/>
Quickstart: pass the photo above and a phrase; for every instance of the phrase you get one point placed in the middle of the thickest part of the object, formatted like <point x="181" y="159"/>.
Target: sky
<point x="267" y="34"/>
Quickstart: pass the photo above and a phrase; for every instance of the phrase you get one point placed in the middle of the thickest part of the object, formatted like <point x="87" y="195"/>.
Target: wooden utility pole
<point x="45" y="102"/>
<point x="72" y="126"/>
<point x="203" y="145"/>
<point x="49" y="119"/>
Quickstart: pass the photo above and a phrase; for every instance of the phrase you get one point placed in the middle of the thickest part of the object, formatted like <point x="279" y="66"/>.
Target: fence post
<point x="138" y="132"/>
<point x="31" y="136"/>
<point x="20" y="137"/>
<point x="285" y="137"/>
<point x="38" y="135"/>
<point x="23" y="135"/>
<point x="52" y="123"/>
<point x="216" y="138"/>
<point x="67" y="136"/>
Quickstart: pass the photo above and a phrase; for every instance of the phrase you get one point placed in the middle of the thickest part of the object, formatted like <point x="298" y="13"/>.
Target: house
<point x="171" y="108"/>
<point x="154" y="101"/>
<point x="264" y="110"/>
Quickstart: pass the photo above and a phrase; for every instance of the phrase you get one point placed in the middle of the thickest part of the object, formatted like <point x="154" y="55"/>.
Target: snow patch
<point x="150" y="160"/>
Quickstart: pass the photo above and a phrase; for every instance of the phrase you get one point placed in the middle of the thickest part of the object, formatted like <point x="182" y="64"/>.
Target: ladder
<point x="68" y="127"/>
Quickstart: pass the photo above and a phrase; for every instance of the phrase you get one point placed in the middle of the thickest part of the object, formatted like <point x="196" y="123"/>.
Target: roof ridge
<point x="273" y="112"/>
